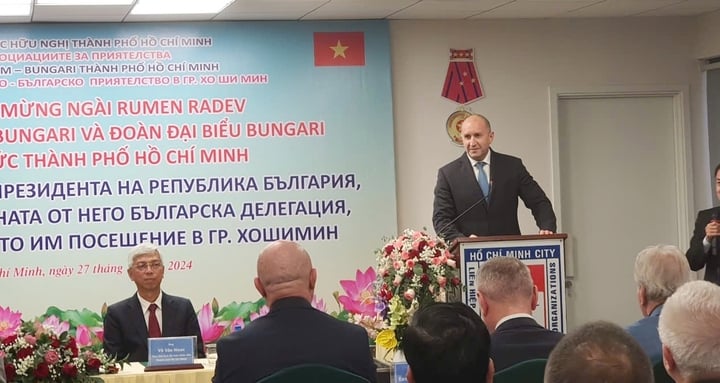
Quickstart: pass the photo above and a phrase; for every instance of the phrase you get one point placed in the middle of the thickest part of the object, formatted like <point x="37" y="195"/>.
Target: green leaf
<point x="239" y="310"/>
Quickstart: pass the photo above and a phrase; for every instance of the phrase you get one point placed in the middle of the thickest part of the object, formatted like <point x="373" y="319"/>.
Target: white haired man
<point x="149" y="313"/>
<point x="690" y="333"/>
<point x="659" y="271"/>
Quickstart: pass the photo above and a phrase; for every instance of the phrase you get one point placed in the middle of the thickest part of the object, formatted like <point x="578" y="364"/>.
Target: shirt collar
<point x="656" y="311"/>
<point x="146" y="305"/>
<point x="512" y="316"/>
<point x="486" y="159"/>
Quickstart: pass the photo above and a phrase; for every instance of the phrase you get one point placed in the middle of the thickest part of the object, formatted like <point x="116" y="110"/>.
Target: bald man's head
<point x="284" y="269"/>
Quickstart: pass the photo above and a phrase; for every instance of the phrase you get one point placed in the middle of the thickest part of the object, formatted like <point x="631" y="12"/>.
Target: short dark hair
<point x="598" y="352"/>
<point x="447" y="342"/>
<point x="716" y="170"/>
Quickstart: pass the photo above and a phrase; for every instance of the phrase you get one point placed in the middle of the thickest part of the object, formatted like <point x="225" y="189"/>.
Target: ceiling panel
<point x="353" y="9"/>
<point x="621" y="8"/>
<point x="269" y="9"/>
<point x="447" y="9"/>
<point x="80" y="13"/>
<point x="535" y="9"/>
<point x="383" y="9"/>
<point x="686" y="8"/>
<point x="182" y="17"/>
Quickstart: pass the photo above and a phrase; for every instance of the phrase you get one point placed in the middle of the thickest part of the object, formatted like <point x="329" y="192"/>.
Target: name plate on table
<point x="171" y="352"/>
<point x="400" y="370"/>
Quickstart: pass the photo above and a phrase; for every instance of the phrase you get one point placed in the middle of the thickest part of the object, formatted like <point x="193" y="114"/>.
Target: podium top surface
<point x="494" y="238"/>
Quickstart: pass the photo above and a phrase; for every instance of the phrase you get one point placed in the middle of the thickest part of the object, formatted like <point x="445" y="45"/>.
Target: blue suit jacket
<point x="521" y="339"/>
<point x="126" y="333"/>
<point x="292" y="333"/>
<point x="457" y="190"/>
<point x="645" y="331"/>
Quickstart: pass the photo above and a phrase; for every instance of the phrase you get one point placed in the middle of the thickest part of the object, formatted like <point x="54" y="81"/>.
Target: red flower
<point x="55" y="343"/>
<point x="24" y="352"/>
<point x="422" y="245"/>
<point x="93" y="364"/>
<point x="42" y="371"/>
<point x="72" y="347"/>
<point x="9" y="340"/>
<point x="70" y="370"/>
<point x="409" y="274"/>
<point x="389" y="249"/>
<point x="425" y="279"/>
<point x="10" y="372"/>
<point x="413" y="253"/>
<point x="455" y="281"/>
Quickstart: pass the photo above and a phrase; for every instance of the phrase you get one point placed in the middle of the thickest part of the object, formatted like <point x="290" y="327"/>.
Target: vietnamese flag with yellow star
<point x="339" y="48"/>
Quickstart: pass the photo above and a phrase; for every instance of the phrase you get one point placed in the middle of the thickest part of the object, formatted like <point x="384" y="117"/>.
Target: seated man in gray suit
<point x="149" y="313"/>
<point x="690" y="333"/>
<point x="659" y="271"/>
<point x="293" y="332"/>
<point x="598" y="352"/>
<point x="507" y="297"/>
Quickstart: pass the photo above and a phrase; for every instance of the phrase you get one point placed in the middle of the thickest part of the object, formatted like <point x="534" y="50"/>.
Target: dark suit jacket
<point x="292" y="333"/>
<point x="457" y="190"/>
<point x="521" y="339"/>
<point x="126" y="333"/>
<point x="696" y="255"/>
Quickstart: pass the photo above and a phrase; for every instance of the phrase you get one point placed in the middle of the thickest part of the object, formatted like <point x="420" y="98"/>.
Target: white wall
<point x="517" y="61"/>
<point x="707" y="44"/>
<point x="708" y="37"/>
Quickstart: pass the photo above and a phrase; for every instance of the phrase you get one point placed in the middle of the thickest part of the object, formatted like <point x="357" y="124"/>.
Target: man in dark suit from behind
<point x="129" y="323"/>
<point x="293" y="332"/>
<point x="463" y="208"/>
<point x="598" y="352"/>
<point x="447" y="342"/>
<point x="507" y="297"/>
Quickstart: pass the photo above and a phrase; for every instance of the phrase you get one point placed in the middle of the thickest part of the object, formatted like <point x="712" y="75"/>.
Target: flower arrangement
<point x="45" y="351"/>
<point x="413" y="270"/>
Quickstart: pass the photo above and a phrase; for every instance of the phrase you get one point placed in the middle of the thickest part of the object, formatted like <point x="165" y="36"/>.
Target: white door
<point x="618" y="179"/>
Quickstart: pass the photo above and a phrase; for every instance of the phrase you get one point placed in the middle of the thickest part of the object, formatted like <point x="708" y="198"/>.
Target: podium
<point x="543" y="254"/>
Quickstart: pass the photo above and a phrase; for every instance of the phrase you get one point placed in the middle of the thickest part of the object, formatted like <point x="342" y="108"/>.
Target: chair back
<point x="313" y="373"/>
<point x="661" y="376"/>
<point x="529" y="371"/>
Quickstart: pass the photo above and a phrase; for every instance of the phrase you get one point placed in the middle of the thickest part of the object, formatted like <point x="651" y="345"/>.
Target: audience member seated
<point x="447" y="342"/>
<point x="293" y="332"/>
<point x="659" y="271"/>
<point x="150" y="313"/>
<point x="690" y="333"/>
<point x="507" y="297"/>
<point x="598" y="352"/>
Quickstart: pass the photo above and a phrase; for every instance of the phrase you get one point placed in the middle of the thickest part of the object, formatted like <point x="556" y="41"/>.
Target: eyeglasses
<point x="154" y="266"/>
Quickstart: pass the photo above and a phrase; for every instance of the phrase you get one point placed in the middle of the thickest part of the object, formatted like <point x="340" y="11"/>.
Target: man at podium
<point x="477" y="194"/>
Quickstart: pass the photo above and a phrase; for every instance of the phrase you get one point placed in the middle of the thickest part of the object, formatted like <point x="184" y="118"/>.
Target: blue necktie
<point x="482" y="178"/>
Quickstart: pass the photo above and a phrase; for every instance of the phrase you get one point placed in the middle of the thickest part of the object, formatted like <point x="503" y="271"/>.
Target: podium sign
<point x="544" y="256"/>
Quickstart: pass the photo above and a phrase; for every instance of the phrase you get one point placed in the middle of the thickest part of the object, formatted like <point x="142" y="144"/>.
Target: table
<point x="135" y="373"/>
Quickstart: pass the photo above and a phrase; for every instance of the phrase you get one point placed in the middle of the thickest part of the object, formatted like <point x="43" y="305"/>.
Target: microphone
<point x="464" y="212"/>
<point x="713" y="241"/>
